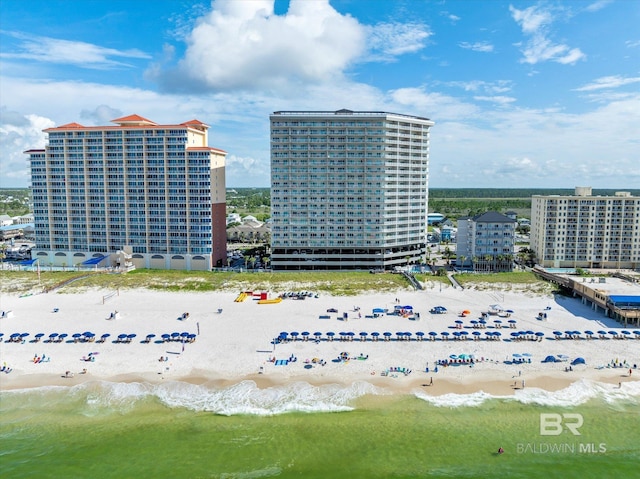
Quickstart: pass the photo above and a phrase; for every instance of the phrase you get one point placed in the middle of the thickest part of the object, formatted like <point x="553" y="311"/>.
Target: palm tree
<point x="463" y="260"/>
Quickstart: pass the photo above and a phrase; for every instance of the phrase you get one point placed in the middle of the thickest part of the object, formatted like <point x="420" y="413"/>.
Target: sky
<point x="524" y="94"/>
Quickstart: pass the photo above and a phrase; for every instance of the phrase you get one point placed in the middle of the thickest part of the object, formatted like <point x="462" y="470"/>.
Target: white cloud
<point x="613" y="81"/>
<point x="499" y="99"/>
<point x="245" y="45"/>
<point x="82" y="54"/>
<point x="19" y="133"/>
<point x="484" y="47"/>
<point x="535" y="22"/>
<point x="597" y="5"/>
<point x="393" y="39"/>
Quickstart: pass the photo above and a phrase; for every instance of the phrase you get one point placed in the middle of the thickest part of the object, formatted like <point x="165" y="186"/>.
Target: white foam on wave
<point x="246" y="398"/>
<point x="575" y="394"/>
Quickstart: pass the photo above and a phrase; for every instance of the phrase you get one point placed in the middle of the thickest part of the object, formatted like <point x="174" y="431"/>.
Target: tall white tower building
<point x="349" y="189"/>
<point x="148" y="194"/>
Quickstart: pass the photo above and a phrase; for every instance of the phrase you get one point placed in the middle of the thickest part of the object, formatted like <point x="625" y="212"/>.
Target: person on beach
<point x="431" y="381"/>
<point x="523" y="384"/>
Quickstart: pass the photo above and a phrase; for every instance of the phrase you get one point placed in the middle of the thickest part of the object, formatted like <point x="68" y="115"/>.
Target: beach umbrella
<point x="149" y="336"/>
<point x="464" y="333"/>
<point x="459" y="321"/>
<point x="473" y="321"/>
<point x="626" y="333"/>
<point x="589" y="333"/>
<point x="433" y="334"/>
<point x="497" y="334"/>
<point x="420" y="334"/>
<point x="295" y="334"/>
<point x="516" y="355"/>
<point x="305" y="334"/>
<point x="453" y="356"/>
<point x="477" y="334"/>
<point x="62" y="336"/>
<point x="14" y="335"/>
<point x="509" y="311"/>
<point x="330" y="335"/>
<point x="497" y="321"/>
<point x="539" y="334"/>
<point x="527" y="355"/>
<point x="122" y="337"/>
<point x="165" y="336"/>
<point x="408" y="335"/>
<point x="24" y="335"/>
<point x="351" y="335"/>
<point x="53" y="335"/>
<point x="557" y="333"/>
<point x="445" y="335"/>
<point x="39" y="335"/>
<point x="578" y="361"/>
<point x="317" y="334"/>
<point x="387" y="335"/>
<point x="363" y="335"/>
<point x="175" y="335"/>
<point x="512" y="321"/>
<point x="515" y="335"/>
<point x="614" y="333"/>
<point x="131" y="336"/>
<point x="1" y="334"/>
<point x="76" y="335"/>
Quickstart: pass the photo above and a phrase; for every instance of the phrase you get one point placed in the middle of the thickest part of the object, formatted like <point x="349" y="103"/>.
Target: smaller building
<point x="485" y="242"/>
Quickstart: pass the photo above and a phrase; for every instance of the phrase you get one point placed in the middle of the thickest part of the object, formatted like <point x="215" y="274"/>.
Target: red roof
<point x="133" y="119"/>
<point x="72" y="125"/>
<point x="194" y="122"/>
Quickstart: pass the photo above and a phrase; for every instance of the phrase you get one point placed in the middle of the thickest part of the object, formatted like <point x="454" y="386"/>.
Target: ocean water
<point x="179" y="430"/>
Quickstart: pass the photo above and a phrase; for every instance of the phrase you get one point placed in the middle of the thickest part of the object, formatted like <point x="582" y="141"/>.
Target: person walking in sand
<point x="431" y="381"/>
<point x="523" y="384"/>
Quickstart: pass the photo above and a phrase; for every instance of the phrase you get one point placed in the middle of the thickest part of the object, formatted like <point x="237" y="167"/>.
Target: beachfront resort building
<point x="485" y="242"/>
<point x="586" y="231"/>
<point x="349" y="189"/>
<point x="135" y="193"/>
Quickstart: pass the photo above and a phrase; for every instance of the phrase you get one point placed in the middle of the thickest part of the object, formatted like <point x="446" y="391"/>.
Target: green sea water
<point x="107" y="430"/>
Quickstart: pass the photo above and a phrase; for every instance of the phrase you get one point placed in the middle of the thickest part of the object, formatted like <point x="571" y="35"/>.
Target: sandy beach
<point x="233" y="341"/>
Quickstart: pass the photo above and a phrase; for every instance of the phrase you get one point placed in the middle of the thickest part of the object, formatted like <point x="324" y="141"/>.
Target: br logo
<point x="552" y="424"/>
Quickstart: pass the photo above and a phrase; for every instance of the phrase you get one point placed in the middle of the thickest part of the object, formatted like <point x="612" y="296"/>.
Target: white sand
<point x="236" y="343"/>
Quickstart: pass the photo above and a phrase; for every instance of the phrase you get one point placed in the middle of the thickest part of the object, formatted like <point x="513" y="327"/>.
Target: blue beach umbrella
<point x="420" y="334"/>
<point x="305" y="333"/>
<point x="317" y="334"/>
<point x="387" y="334"/>
<point x="363" y="335"/>
<point x="62" y="336"/>
<point x="39" y="335"/>
<point x="539" y="334"/>
<point x="477" y="333"/>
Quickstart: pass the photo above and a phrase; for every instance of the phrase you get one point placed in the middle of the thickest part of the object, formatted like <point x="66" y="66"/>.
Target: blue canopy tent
<point x="94" y="261"/>
<point x="578" y="361"/>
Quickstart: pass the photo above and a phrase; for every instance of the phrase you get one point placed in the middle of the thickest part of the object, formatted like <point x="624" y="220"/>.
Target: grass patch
<point x="334" y="283"/>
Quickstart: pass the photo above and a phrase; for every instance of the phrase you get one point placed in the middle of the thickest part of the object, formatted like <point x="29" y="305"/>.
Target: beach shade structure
<point x="489" y="334"/>
<point x="184" y="336"/>
<point x="104" y="337"/>
<point x="387" y="335"/>
<point x="148" y="338"/>
<point x="539" y="334"/>
<point x="419" y="335"/>
<point x="407" y="335"/>
<point x="614" y="334"/>
<point x="14" y="337"/>
<point x="330" y="335"/>
<point x="121" y="338"/>
<point x="637" y="334"/>
<point x="496" y="335"/>
<point x="399" y="335"/>
<point x="549" y="359"/>
<point x="497" y="322"/>
<point x="305" y="335"/>
<point x="459" y="322"/>
<point x="464" y="334"/>
<point x="166" y="337"/>
<point x="510" y="311"/>
<point x="294" y="335"/>
<point x="52" y="337"/>
<point x="483" y="323"/>
<point x="466" y="311"/>
<point x="38" y="336"/>
<point x="363" y="335"/>
<point x="456" y="334"/>
<point x="317" y="335"/>
<point x="130" y="337"/>
<point x="474" y="323"/>
<point x="602" y="334"/>
<point x="557" y="334"/>
<point x="62" y="336"/>
<point x="578" y="361"/>
<point x="445" y="335"/>
<point x="192" y="337"/>
<point x="512" y="323"/>
<point x="626" y="333"/>
<point x="375" y="335"/>
<point x="476" y="335"/>
<point x="433" y="335"/>
<point x="350" y="335"/>
<point x="589" y="334"/>
<point x="515" y="335"/>
<point x="1" y="334"/>
<point x="563" y="357"/>
<point x="453" y="356"/>
<point x="24" y="335"/>
<point x="76" y="337"/>
<point x="175" y="336"/>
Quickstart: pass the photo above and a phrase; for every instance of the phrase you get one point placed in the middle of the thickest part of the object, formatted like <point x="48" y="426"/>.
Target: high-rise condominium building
<point x="147" y="194"/>
<point x="586" y="231"/>
<point x="349" y="189"/>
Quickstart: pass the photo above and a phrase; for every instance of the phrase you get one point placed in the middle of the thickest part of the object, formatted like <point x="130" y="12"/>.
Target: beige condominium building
<point x="349" y="189"/>
<point x="586" y="231"/>
<point x="131" y="194"/>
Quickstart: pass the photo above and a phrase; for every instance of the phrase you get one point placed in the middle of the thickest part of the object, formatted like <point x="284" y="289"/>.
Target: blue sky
<point x="523" y="93"/>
